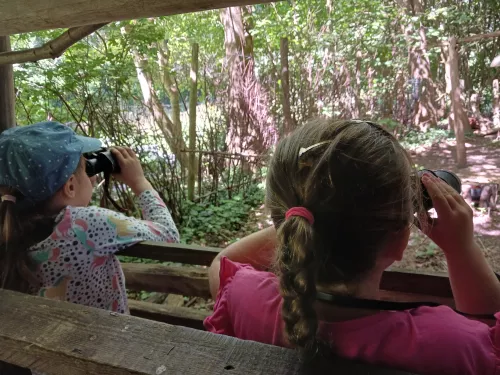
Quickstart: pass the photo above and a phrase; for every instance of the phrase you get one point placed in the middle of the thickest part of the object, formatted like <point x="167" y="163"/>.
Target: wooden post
<point x="285" y="86"/>
<point x="459" y="116"/>
<point x="193" y="101"/>
<point x="7" y="95"/>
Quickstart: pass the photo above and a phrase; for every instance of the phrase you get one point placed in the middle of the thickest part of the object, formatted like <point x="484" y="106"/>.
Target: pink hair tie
<point x="302" y="212"/>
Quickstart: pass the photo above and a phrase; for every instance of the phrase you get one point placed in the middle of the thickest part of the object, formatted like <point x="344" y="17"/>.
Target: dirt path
<point x="483" y="158"/>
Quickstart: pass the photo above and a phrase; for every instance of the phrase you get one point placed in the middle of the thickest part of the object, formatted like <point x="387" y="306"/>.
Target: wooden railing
<point x="192" y="280"/>
<point x="61" y="338"/>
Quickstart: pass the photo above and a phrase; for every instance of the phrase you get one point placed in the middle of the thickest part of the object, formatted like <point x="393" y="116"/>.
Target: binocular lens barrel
<point x="102" y="161"/>
<point x="449" y="177"/>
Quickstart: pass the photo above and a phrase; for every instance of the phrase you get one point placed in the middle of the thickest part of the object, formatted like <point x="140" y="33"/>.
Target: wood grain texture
<point x="31" y="15"/>
<point x="407" y="281"/>
<point x="7" y="94"/>
<point x="188" y="281"/>
<point x="61" y="338"/>
<point x="417" y="282"/>
<point x="172" y="252"/>
<point x="179" y="316"/>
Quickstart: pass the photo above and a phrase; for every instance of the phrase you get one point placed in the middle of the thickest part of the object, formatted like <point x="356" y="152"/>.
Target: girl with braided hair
<point x="343" y="196"/>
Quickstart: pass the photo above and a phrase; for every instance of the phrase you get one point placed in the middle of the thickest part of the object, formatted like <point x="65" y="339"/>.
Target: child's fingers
<point x="130" y="152"/>
<point x="439" y="200"/>
<point x="453" y="193"/>
<point x="442" y="186"/>
<point x="120" y="154"/>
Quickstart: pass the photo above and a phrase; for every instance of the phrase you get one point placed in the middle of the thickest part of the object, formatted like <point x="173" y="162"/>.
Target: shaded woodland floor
<point x="483" y="157"/>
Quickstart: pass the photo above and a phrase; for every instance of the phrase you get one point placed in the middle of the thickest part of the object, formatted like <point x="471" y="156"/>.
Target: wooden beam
<point x="187" y="281"/>
<point x="33" y="15"/>
<point x="425" y="283"/>
<point x="59" y="338"/>
<point x="51" y="49"/>
<point x="172" y="252"/>
<point x="7" y="94"/>
<point x="179" y="316"/>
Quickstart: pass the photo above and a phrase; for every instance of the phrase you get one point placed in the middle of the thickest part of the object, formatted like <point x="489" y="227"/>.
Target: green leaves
<point x="206" y="223"/>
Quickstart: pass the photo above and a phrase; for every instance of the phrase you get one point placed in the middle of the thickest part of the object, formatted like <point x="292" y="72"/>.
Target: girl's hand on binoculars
<point x="131" y="172"/>
<point x="453" y="230"/>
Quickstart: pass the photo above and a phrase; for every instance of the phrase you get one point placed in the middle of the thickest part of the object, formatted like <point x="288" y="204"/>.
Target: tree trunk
<point x="171" y="133"/>
<point x="250" y="125"/>
<point x="424" y="90"/>
<point x="193" y="101"/>
<point x="7" y="94"/>
<point x="285" y="86"/>
<point x="459" y="116"/>
<point x="168" y="83"/>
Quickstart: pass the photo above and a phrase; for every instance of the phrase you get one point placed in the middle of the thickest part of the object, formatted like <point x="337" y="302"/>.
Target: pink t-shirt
<point x="426" y="340"/>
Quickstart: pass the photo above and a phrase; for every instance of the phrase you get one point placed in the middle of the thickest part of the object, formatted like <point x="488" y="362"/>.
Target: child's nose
<point x="93" y="180"/>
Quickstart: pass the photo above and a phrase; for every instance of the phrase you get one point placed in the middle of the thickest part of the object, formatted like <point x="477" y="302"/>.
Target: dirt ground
<point x="483" y="159"/>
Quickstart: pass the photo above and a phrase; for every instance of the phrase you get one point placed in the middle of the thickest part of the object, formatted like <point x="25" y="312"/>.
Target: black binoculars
<point x="449" y="177"/>
<point x="102" y="161"/>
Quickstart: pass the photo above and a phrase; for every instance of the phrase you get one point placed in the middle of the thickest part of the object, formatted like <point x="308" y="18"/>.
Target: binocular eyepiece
<point x="449" y="177"/>
<point x="102" y="161"/>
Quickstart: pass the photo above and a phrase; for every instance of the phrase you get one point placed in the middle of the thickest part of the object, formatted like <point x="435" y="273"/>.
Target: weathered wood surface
<point x="188" y="281"/>
<point x="60" y="338"/>
<point x="417" y="282"/>
<point x="20" y="16"/>
<point x="172" y="252"/>
<point x="179" y="316"/>
<point x="7" y="95"/>
<point x="193" y="281"/>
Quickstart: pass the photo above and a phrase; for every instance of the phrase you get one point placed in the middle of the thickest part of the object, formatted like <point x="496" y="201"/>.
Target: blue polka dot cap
<point x="38" y="159"/>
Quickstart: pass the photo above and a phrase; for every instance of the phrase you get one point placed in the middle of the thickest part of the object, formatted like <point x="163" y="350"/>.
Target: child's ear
<point x="397" y="244"/>
<point x="69" y="188"/>
<point x="401" y="242"/>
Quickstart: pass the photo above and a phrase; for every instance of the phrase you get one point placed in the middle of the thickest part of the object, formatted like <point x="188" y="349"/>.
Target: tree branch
<point x="51" y="49"/>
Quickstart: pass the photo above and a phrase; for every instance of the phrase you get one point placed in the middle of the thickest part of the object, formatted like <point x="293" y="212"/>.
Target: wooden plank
<point x="191" y="281"/>
<point x="179" y="316"/>
<point x="188" y="281"/>
<point x="172" y="252"/>
<point x="408" y="281"/>
<point x="60" y="338"/>
<point x="7" y="95"/>
<point x="33" y="15"/>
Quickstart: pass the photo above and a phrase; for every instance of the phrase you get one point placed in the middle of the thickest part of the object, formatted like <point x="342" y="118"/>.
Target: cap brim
<point x="89" y="144"/>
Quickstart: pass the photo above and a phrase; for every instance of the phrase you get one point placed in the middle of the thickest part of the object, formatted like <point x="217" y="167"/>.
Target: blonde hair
<point x="357" y="181"/>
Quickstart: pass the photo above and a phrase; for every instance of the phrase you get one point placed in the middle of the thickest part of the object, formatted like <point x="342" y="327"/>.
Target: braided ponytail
<point x="357" y="181"/>
<point x="297" y="268"/>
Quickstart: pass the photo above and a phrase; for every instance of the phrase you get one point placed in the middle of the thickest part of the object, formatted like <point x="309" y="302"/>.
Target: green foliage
<point x="415" y="139"/>
<point x="206" y="223"/>
<point x="429" y="251"/>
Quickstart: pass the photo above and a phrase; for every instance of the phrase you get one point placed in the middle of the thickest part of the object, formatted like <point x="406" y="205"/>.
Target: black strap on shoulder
<point x="371" y="304"/>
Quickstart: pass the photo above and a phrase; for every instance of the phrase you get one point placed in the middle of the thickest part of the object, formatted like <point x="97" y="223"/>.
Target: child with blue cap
<point x="52" y="243"/>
